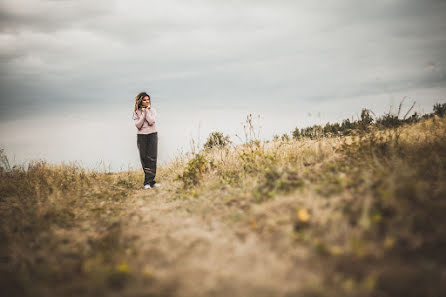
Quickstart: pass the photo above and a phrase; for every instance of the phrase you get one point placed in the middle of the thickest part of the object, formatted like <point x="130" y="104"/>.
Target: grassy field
<point x="351" y="214"/>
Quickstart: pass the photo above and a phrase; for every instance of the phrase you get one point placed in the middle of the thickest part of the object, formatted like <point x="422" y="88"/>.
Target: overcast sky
<point x="70" y="70"/>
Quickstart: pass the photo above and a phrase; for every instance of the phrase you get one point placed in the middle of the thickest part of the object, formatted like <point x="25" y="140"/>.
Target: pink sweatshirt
<point x="145" y="121"/>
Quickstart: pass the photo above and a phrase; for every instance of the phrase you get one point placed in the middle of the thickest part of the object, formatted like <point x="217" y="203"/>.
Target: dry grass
<point x="376" y="197"/>
<point x="342" y="216"/>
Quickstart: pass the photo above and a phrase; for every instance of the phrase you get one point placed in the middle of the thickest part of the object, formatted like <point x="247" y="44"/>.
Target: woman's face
<point x="145" y="101"/>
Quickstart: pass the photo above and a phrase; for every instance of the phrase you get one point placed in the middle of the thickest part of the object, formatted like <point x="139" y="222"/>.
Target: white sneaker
<point x="147" y="186"/>
<point x="156" y="185"/>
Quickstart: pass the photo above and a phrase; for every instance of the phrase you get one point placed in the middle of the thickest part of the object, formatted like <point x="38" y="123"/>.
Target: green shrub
<point x="388" y="120"/>
<point x="366" y="119"/>
<point x="440" y="109"/>
<point x="194" y="170"/>
<point x="312" y="132"/>
<point x="217" y="139"/>
<point x="296" y="134"/>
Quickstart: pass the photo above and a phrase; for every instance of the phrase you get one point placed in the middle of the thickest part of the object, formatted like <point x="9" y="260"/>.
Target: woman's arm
<point x="139" y="120"/>
<point x="150" y="116"/>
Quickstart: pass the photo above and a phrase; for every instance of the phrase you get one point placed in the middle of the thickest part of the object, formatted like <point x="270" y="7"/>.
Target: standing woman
<point x="147" y="138"/>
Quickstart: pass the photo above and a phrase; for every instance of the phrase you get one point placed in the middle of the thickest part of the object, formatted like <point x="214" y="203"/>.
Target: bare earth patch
<point x="201" y="256"/>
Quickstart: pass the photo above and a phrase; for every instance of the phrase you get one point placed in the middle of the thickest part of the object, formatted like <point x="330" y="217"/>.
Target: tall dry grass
<point x="368" y="209"/>
<point x="370" y="206"/>
<point x="61" y="224"/>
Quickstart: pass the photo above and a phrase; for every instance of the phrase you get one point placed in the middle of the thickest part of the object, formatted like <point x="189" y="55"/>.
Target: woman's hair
<point x="138" y="100"/>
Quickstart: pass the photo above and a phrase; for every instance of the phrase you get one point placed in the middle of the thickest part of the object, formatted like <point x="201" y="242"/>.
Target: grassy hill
<point x="353" y="211"/>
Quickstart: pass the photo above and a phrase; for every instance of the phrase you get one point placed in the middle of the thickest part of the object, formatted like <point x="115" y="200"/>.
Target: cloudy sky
<point x="70" y="70"/>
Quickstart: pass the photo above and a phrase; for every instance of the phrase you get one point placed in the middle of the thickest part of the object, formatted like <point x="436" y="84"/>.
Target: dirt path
<point x="190" y="253"/>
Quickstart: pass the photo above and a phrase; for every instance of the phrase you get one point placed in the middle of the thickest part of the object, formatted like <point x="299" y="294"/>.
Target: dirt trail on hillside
<point x="191" y="253"/>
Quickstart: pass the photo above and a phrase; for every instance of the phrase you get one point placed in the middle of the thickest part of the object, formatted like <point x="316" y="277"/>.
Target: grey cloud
<point x="200" y="51"/>
<point x="49" y="16"/>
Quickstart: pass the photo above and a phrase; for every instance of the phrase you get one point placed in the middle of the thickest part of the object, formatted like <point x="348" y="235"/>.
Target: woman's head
<point x="142" y="99"/>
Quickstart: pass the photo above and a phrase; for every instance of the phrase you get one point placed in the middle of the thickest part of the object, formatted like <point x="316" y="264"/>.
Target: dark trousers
<point x="148" y="151"/>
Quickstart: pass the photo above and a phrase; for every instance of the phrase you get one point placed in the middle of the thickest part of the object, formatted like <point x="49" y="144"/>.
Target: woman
<point x="147" y="138"/>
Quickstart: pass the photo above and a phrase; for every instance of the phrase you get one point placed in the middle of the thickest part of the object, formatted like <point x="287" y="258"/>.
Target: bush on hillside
<point x="440" y="109"/>
<point x="194" y="170"/>
<point x="217" y="139"/>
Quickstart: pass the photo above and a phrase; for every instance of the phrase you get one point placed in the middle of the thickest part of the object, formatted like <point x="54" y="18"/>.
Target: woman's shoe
<point x="147" y="186"/>
<point x="156" y="185"/>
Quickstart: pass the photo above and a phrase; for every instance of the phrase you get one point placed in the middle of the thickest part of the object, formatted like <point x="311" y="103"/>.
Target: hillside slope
<point x="358" y="215"/>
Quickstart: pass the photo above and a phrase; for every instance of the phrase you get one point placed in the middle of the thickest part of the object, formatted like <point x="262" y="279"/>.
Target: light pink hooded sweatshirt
<point x="145" y="121"/>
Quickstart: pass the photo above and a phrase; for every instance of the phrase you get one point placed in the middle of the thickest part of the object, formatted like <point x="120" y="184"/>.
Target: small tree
<point x="366" y="119"/>
<point x="388" y="120"/>
<point x="313" y="132"/>
<point x="217" y="139"/>
<point x="440" y="109"/>
<point x="296" y="133"/>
